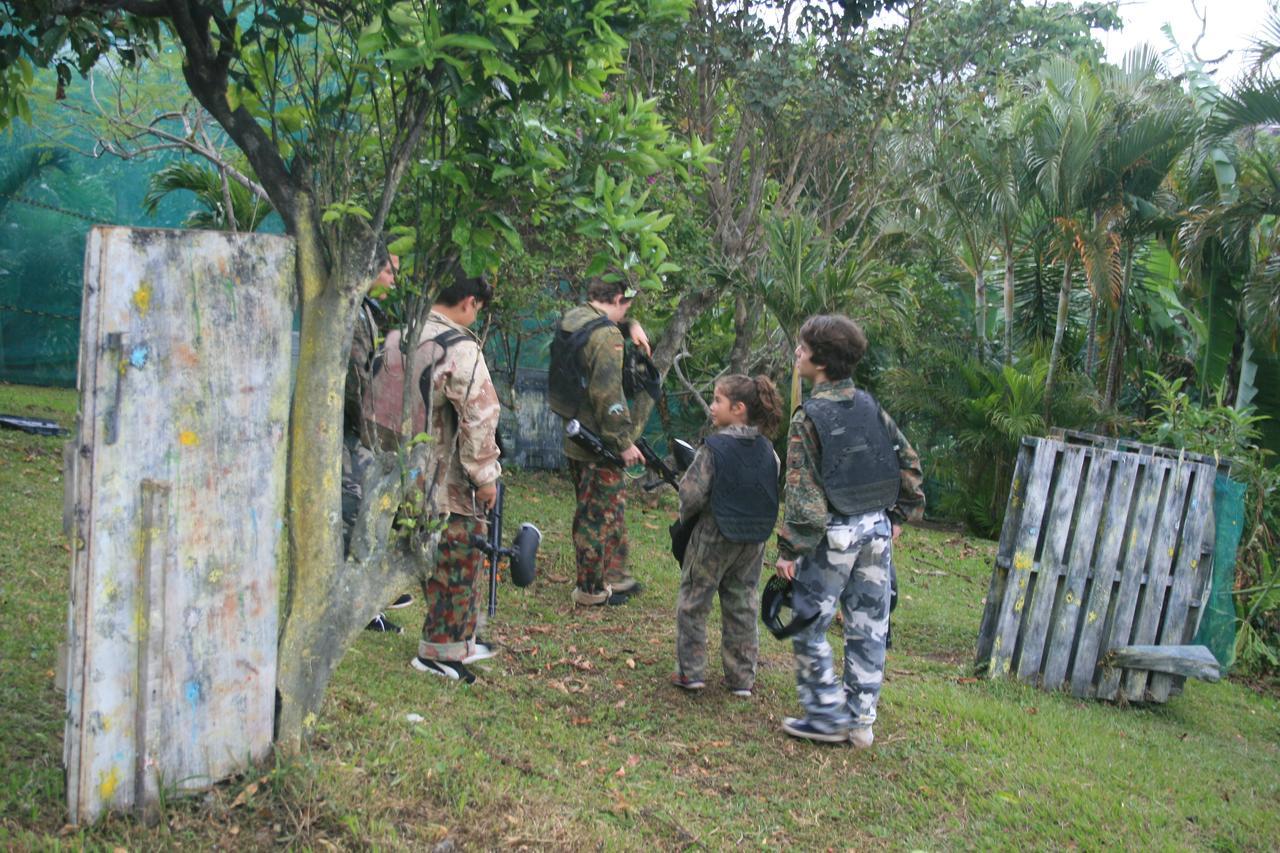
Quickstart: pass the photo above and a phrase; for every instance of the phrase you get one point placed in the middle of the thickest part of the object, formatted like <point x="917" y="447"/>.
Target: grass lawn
<point x="573" y="737"/>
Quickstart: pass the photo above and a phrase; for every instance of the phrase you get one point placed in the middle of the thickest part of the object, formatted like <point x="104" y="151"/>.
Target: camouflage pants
<point x="714" y="564"/>
<point x="451" y="593"/>
<point x="856" y="576"/>
<point x="599" y="525"/>
<point x="355" y="459"/>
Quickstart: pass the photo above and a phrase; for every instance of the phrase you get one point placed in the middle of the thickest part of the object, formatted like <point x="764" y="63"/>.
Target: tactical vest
<point x="860" y="471"/>
<point x="382" y="404"/>
<point x="744" y="491"/>
<point x="567" y="376"/>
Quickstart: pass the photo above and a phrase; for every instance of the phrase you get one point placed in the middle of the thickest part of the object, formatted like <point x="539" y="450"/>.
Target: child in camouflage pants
<point x="731" y="490"/>
<point x="851" y="480"/>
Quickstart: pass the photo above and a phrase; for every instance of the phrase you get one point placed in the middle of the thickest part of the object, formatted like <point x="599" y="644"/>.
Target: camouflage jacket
<point x="805" y="509"/>
<point x="606" y="412"/>
<point x="695" y="485"/>
<point x="464" y="420"/>
<point x="364" y="342"/>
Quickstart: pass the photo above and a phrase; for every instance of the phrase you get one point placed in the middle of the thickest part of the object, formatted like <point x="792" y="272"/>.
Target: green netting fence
<point x="1218" y="619"/>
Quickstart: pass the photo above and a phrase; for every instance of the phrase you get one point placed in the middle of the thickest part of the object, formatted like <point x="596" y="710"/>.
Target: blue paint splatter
<point x="194" y="694"/>
<point x="138" y="358"/>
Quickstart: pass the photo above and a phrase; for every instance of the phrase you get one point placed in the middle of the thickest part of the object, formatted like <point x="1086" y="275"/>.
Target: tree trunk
<point x="980" y="311"/>
<point x="1008" y="301"/>
<point x="1091" y="348"/>
<point x="746" y="314"/>
<point x="1115" y="354"/>
<point x="1059" y="329"/>
<point x="328" y="599"/>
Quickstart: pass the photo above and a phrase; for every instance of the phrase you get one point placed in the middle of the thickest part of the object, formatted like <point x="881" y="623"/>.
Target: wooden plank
<point x="186" y="381"/>
<point x="1049" y="568"/>
<point x="1004" y="552"/>
<point x="1103" y="569"/>
<point x="1187" y="661"/>
<point x="1103" y="465"/>
<point x="1152" y="596"/>
<point x="1139" y="535"/>
<point x="1185" y="571"/>
<point x="1013" y="600"/>
<point x="149" y="605"/>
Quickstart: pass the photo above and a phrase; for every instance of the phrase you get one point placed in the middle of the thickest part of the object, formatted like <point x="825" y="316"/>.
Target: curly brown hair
<point x="759" y="395"/>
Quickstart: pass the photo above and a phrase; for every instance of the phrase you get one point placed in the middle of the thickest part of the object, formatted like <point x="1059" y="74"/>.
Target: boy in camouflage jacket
<point x="840" y="558"/>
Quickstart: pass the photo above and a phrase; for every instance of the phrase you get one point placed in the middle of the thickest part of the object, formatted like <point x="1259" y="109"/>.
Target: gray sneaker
<point x="861" y="737"/>
<point x="803" y="727"/>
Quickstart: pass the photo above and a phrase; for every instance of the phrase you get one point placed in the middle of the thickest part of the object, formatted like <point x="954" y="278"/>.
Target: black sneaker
<point x="634" y="588"/>
<point x="403" y="601"/>
<point x="450" y="669"/>
<point x="618" y="598"/>
<point x="382" y="623"/>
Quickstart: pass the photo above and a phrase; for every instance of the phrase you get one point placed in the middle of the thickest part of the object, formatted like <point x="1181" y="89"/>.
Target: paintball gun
<point x="523" y="553"/>
<point x="682" y="451"/>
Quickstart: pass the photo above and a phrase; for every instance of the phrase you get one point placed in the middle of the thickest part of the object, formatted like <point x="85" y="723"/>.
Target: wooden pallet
<point x="1105" y="545"/>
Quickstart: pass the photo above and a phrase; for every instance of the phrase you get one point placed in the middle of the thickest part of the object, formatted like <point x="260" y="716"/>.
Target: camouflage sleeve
<point x="695" y="485"/>
<point x="475" y="400"/>
<point x="603" y="354"/>
<point x="910" y="505"/>
<point x="804" y="514"/>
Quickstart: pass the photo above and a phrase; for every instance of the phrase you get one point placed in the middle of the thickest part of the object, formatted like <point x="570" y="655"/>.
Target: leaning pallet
<point x="1103" y="563"/>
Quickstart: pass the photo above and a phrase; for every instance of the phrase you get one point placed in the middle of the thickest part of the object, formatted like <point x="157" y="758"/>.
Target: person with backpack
<point x="585" y="383"/>
<point x="730" y="495"/>
<point x="357" y="431"/>
<point x="852" y="480"/>
<point x="461" y="477"/>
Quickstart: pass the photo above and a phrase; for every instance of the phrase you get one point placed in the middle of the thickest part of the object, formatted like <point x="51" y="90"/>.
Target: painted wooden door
<point x="179" y="477"/>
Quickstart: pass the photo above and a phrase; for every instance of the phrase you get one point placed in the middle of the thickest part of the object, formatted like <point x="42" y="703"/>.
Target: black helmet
<point x="777" y="597"/>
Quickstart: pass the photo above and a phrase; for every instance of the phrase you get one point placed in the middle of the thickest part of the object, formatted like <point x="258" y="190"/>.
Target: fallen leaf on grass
<point x="581" y="721"/>
<point x="1033" y="711"/>
<point x="249" y="791"/>
<point x="620" y="704"/>
<point x="967" y="680"/>
<point x="633" y="760"/>
<point x="631" y="663"/>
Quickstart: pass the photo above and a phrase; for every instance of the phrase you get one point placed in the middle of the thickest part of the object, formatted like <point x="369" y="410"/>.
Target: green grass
<point x="574" y="739"/>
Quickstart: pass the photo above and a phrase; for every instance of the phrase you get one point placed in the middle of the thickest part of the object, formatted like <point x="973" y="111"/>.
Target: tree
<point x="330" y="105"/>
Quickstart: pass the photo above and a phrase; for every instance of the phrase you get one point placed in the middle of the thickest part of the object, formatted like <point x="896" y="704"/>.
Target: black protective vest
<point x="860" y="471"/>
<point x="744" y="491"/>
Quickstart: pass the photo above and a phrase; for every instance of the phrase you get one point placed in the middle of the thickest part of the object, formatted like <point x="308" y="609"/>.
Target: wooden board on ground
<point x="177" y="512"/>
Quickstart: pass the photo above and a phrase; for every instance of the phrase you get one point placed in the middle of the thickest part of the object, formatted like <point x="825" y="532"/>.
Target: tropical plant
<point x="224" y="204"/>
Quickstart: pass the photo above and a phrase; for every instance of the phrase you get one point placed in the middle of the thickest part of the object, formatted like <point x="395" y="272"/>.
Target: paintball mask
<point x="777" y="609"/>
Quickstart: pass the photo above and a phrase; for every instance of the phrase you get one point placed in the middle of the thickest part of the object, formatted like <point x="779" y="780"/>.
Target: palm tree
<point x="227" y="205"/>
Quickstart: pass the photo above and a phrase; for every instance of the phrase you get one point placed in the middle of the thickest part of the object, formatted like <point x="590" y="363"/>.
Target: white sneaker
<point x="483" y="651"/>
<point x="452" y="670"/>
<point x="861" y="737"/>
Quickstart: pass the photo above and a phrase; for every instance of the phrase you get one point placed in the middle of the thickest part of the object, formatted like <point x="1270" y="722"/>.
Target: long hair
<point x="759" y="395"/>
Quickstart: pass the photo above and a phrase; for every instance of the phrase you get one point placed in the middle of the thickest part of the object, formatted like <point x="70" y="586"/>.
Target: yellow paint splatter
<point x="142" y="299"/>
<point x="309" y="721"/>
<point x="189" y="438"/>
<point x="1022" y="561"/>
<point x="1017" y="605"/>
<point x="1070" y="599"/>
<point x="111" y="781"/>
<point x="1093" y="617"/>
<point x="385" y="503"/>
<point x="1194" y="563"/>
<point x="215" y="576"/>
<point x="110" y="589"/>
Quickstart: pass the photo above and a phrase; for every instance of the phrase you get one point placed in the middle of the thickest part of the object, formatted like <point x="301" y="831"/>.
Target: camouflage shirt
<point x="464" y="419"/>
<point x="605" y="411"/>
<point x="364" y="342"/>
<point x="805" y="512"/>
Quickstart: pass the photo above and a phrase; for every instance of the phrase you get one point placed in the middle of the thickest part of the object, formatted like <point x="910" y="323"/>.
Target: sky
<point x="1230" y="24"/>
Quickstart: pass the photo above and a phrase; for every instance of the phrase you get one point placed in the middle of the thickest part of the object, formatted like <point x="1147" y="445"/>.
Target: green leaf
<point x="464" y="41"/>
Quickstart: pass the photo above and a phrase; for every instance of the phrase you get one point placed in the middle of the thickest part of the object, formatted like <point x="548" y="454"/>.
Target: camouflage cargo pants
<point x="714" y="564"/>
<point x="355" y="459"/>
<point x="451" y="593"/>
<point x="856" y="577"/>
<point x="600" y="526"/>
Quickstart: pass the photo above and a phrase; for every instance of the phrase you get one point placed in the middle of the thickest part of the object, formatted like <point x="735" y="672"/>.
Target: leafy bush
<point x="1226" y="432"/>
<point x="975" y="415"/>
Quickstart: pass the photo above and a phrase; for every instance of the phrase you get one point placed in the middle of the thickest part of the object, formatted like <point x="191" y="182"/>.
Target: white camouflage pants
<point x="857" y="577"/>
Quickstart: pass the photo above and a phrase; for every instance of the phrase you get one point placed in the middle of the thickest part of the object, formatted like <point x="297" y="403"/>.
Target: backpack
<point x="567" y="375"/>
<point x="382" y="405"/>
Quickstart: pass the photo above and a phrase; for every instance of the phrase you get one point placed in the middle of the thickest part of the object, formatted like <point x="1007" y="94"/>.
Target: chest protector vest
<point x="744" y="492"/>
<point x="382" y="404"/>
<point x="859" y="461"/>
